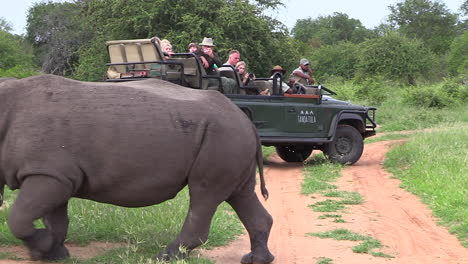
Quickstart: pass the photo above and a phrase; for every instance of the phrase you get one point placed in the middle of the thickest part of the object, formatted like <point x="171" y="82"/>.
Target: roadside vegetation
<point x="432" y="165"/>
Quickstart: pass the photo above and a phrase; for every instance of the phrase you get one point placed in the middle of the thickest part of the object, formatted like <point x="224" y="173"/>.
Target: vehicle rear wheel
<point x="347" y="146"/>
<point x="294" y="153"/>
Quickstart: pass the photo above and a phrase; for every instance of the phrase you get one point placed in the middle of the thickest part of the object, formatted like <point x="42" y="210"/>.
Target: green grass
<point x="379" y="138"/>
<point x="397" y="116"/>
<point x="433" y="166"/>
<point x="368" y="244"/>
<point x="144" y="231"/>
<point x="327" y="206"/>
<point x="267" y="151"/>
<point x="324" y="260"/>
<point x="318" y="173"/>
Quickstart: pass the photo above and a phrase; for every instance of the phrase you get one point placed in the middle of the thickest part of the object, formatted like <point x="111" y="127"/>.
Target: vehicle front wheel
<point x="347" y="146"/>
<point x="294" y="153"/>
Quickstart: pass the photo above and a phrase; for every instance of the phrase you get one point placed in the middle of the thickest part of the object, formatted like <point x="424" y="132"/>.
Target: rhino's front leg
<point x="41" y="196"/>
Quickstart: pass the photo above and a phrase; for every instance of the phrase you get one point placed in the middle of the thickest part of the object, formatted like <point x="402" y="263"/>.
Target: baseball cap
<point x="304" y="62"/>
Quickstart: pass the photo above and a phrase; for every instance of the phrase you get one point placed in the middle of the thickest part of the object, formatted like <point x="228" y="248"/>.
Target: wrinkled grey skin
<point x="131" y="144"/>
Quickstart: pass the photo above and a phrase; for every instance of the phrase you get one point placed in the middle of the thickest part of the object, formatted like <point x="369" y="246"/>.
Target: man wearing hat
<point x="304" y="73"/>
<point x="278" y="70"/>
<point x="208" y="56"/>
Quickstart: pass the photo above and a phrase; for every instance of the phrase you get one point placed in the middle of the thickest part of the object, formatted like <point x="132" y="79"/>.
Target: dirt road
<point x="395" y="217"/>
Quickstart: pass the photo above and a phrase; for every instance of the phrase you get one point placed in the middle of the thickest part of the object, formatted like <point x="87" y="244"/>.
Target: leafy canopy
<point x="427" y="20"/>
<point x="331" y="29"/>
<point x="395" y="57"/>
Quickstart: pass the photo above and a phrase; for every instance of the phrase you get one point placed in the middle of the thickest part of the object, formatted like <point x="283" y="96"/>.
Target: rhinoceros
<point x="130" y="144"/>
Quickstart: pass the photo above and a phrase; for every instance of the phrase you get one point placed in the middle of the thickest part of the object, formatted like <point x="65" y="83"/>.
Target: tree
<point x="458" y="57"/>
<point x="233" y="24"/>
<point x="427" y="20"/>
<point x="15" y="56"/>
<point x="5" y="25"/>
<point x="394" y="57"/>
<point x="56" y="33"/>
<point x="335" y="60"/>
<point x="331" y="29"/>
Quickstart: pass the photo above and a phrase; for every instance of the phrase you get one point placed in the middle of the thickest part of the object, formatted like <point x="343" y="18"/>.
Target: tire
<point x="346" y="147"/>
<point x="294" y="153"/>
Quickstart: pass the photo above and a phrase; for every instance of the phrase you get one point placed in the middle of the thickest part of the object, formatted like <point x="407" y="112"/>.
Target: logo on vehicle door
<point x="306" y="116"/>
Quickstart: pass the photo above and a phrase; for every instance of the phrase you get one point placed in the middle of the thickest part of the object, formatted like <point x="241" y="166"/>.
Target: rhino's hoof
<point x="57" y="253"/>
<point x="249" y="259"/>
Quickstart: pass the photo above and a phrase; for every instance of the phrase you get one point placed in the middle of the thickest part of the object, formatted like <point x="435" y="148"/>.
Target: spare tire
<point x="294" y="153"/>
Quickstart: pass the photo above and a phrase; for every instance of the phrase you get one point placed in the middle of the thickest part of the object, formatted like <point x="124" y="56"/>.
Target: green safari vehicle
<point x="295" y="124"/>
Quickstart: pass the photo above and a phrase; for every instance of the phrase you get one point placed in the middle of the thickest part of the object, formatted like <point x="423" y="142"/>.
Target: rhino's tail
<point x="259" y="157"/>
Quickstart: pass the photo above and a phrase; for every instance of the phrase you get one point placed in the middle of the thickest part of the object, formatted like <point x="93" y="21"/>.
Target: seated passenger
<point x="210" y="59"/>
<point x="277" y="72"/>
<point x="304" y="74"/>
<point x="166" y="48"/>
<point x="234" y="58"/>
<point x="245" y="76"/>
<point x="193" y="47"/>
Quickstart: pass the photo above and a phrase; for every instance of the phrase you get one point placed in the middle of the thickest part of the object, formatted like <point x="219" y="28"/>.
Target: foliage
<point x="56" y="33"/>
<point x="427" y="20"/>
<point x="458" y="57"/>
<point x="5" y="25"/>
<point x="237" y="24"/>
<point x="437" y="96"/>
<point x="15" y="56"/>
<point x="335" y="60"/>
<point x="394" y="57"/>
<point x="433" y="166"/>
<point x="331" y="29"/>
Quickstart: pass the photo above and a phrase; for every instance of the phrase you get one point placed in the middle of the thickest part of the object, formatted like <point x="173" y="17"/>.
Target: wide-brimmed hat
<point x="207" y="42"/>
<point x="277" y="68"/>
<point x="304" y="62"/>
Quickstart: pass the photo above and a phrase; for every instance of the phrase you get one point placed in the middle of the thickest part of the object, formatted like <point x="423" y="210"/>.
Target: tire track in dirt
<point x="392" y="215"/>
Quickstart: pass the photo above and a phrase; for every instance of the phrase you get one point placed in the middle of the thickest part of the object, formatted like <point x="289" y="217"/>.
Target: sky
<point x="370" y="12"/>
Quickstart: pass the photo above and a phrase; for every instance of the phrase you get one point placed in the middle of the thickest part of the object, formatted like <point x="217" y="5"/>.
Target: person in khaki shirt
<point x="304" y="74"/>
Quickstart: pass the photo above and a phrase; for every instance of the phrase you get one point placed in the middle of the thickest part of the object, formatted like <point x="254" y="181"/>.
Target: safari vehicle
<point x="295" y="124"/>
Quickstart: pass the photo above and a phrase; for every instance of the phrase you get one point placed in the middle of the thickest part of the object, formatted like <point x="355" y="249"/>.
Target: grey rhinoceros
<point x="130" y="144"/>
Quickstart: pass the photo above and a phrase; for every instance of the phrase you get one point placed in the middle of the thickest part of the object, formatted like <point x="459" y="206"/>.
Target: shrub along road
<point x="390" y="214"/>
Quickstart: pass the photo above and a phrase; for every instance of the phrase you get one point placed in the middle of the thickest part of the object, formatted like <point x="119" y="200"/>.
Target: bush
<point x="394" y="57"/>
<point x="458" y="57"/>
<point x="375" y="90"/>
<point x="443" y="95"/>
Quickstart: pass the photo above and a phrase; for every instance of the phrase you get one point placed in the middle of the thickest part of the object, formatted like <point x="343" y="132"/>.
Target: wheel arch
<point x="353" y="119"/>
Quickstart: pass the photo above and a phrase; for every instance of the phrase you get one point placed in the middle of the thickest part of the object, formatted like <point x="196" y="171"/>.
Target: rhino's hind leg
<point x="258" y="223"/>
<point x="41" y="196"/>
<point x="195" y="229"/>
